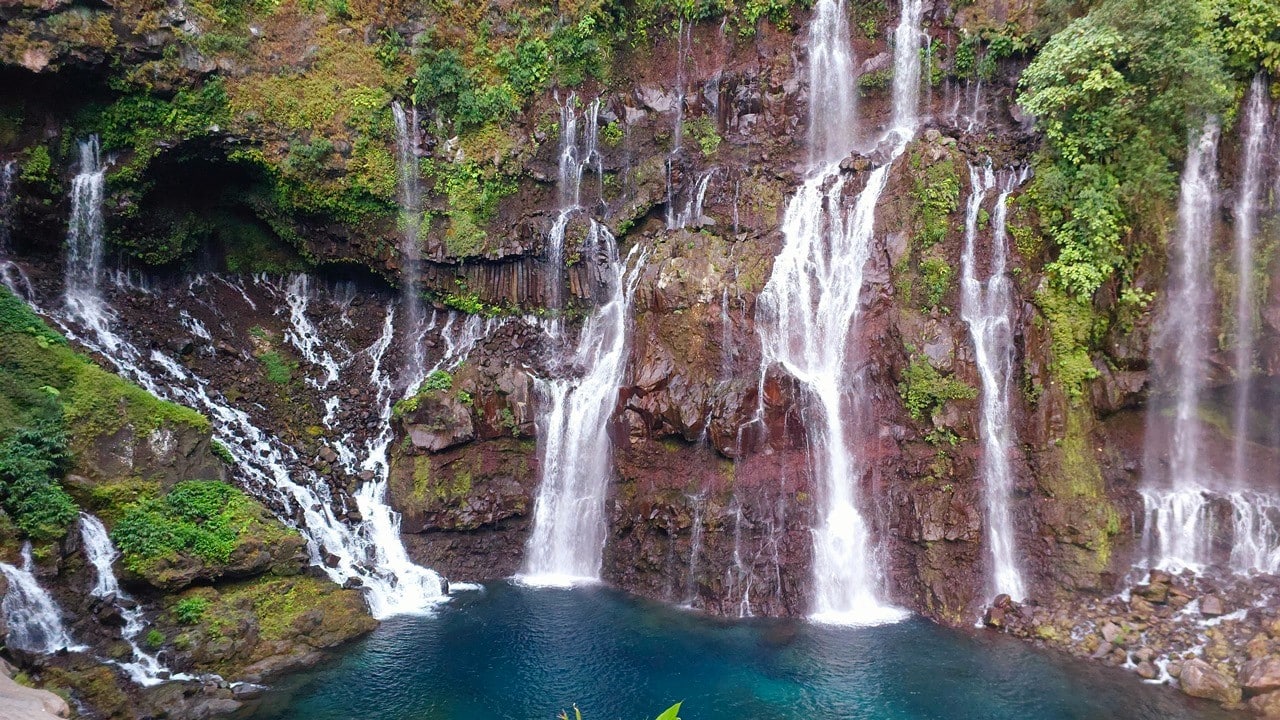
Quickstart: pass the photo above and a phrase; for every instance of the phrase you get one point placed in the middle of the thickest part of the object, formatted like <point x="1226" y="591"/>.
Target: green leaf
<point x="671" y="713"/>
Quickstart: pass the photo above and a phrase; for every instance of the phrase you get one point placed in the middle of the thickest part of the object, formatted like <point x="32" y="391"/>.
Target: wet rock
<point x="1157" y="593"/>
<point x="1212" y="606"/>
<point x="1261" y="676"/>
<point x="328" y="455"/>
<point x="1199" y="679"/>
<point x="1268" y="706"/>
<point x="1147" y="671"/>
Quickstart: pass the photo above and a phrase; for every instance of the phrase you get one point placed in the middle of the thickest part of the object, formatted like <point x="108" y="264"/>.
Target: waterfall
<point x="986" y="308"/>
<point x="691" y="213"/>
<point x="11" y="275"/>
<point x="832" y="95"/>
<point x="908" y="37"/>
<point x="684" y="41"/>
<point x="1256" y="127"/>
<point x="145" y="669"/>
<point x="410" y="197"/>
<point x="573" y="417"/>
<point x="33" y="619"/>
<point x="809" y="308"/>
<point x="576" y="156"/>
<point x="6" y="207"/>
<point x="368" y="554"/>
<point x="83" y="296"/>
<point x="1177" y="482"/>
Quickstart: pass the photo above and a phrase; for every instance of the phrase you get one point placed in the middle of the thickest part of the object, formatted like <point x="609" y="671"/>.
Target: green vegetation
<point x="31" y="462"/>
<point x="702" y="130"/>
<point x="1117" y="92"/>
<point x="924" y="391"/>
<point x="936" y="190"/>
<point x="935" y="274"/>
<point x="54" y="405"/>
<point x="204" y="519"/>
<point x="279" y="370"/>
<point x="190" y="610"/>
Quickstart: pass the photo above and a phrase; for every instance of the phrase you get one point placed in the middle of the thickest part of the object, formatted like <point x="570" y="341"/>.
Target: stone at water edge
<point x="1261" y="676"/>
<point x="1212" y="606"/>
<point x="1199" y="679"/>
<point x="23" y="703"/>
<point x="1147" y="671"/>
<point x="1267" y="706"/>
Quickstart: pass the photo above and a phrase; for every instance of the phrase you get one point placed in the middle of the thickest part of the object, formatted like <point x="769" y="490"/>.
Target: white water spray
<point x="1178" y="483"/>
<point x="83" y="272"/>
<point x="1256" y="131"/>
<point x="144" y="669"/>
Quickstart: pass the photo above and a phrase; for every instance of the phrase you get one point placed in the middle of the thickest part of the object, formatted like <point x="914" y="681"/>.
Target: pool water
<point x="508" y="651"/>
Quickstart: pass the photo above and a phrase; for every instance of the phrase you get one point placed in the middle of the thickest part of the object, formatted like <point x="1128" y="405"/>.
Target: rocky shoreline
<point x="1212" y="636"/>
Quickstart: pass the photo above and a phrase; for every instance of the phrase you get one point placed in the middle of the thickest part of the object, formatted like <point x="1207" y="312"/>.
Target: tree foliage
<point x="1116" y="93"/>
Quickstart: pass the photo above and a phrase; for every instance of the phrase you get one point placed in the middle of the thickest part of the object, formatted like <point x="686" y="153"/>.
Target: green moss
<point x="207" y="520"/>
<point x="936" y="191"/>
<point x="1072" y="325"/>
<point x="935" y="275"/>
<point x="874" y="81"/>
<point x="190" y="610"/>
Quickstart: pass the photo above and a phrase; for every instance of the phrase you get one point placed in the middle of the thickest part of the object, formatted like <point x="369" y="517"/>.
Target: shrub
<point x="199" y="518"/>
<point x="189" y="611"/>
<point x="31" y="461"/>
<point x="924" y="390"/>
<point x="279" y="370"/>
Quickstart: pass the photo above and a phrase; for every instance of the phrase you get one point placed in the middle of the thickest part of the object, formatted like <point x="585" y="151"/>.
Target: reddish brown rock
<point x="1199" y="679"/>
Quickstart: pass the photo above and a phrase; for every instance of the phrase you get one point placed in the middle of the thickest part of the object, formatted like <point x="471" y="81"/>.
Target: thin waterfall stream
<point x="986" y="308"/>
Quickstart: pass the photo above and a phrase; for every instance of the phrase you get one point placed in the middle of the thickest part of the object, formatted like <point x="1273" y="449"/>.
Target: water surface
<point x="516" y="652"/>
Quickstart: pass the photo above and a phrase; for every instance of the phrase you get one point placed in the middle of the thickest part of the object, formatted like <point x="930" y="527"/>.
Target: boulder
<point x="1147" y="671"/>
<point x="1267" y="706"/>
<point x="1261" y="676"/>
<point x="1212" y="606"/>
<point x="24" y="703"/>
<point x="1199" y="679"/>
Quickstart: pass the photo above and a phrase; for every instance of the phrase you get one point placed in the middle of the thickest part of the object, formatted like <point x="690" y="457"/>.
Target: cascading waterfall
<point x="576" y="156"/>
<point x="370" y="554"/>
<point x="684" y="41"/>
<point x="83" y="296"/>
<point x="691" y="213"/>
<point x="986" y="309"/>
<point x="33" y="618"/>
<point x="1178" y="483"/>
<point x="410" y="196"/>
<point x="7" y="172"/>
<point x="810" y="305"/>
<point x="573" y="417"/>
<point x="832" y="96"/>
<point x="10" y="274"/>
<point x="1256" y="131"/>
<point x="145" y="669"/>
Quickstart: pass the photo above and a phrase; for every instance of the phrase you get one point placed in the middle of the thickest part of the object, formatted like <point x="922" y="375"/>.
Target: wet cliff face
<point x="712" y="503"/>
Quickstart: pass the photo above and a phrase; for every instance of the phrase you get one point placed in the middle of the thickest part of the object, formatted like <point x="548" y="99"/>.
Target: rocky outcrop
<point x="18" y="702"/>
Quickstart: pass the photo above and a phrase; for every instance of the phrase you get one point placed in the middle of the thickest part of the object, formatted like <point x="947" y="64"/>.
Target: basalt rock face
<point x="712" y="504"/>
